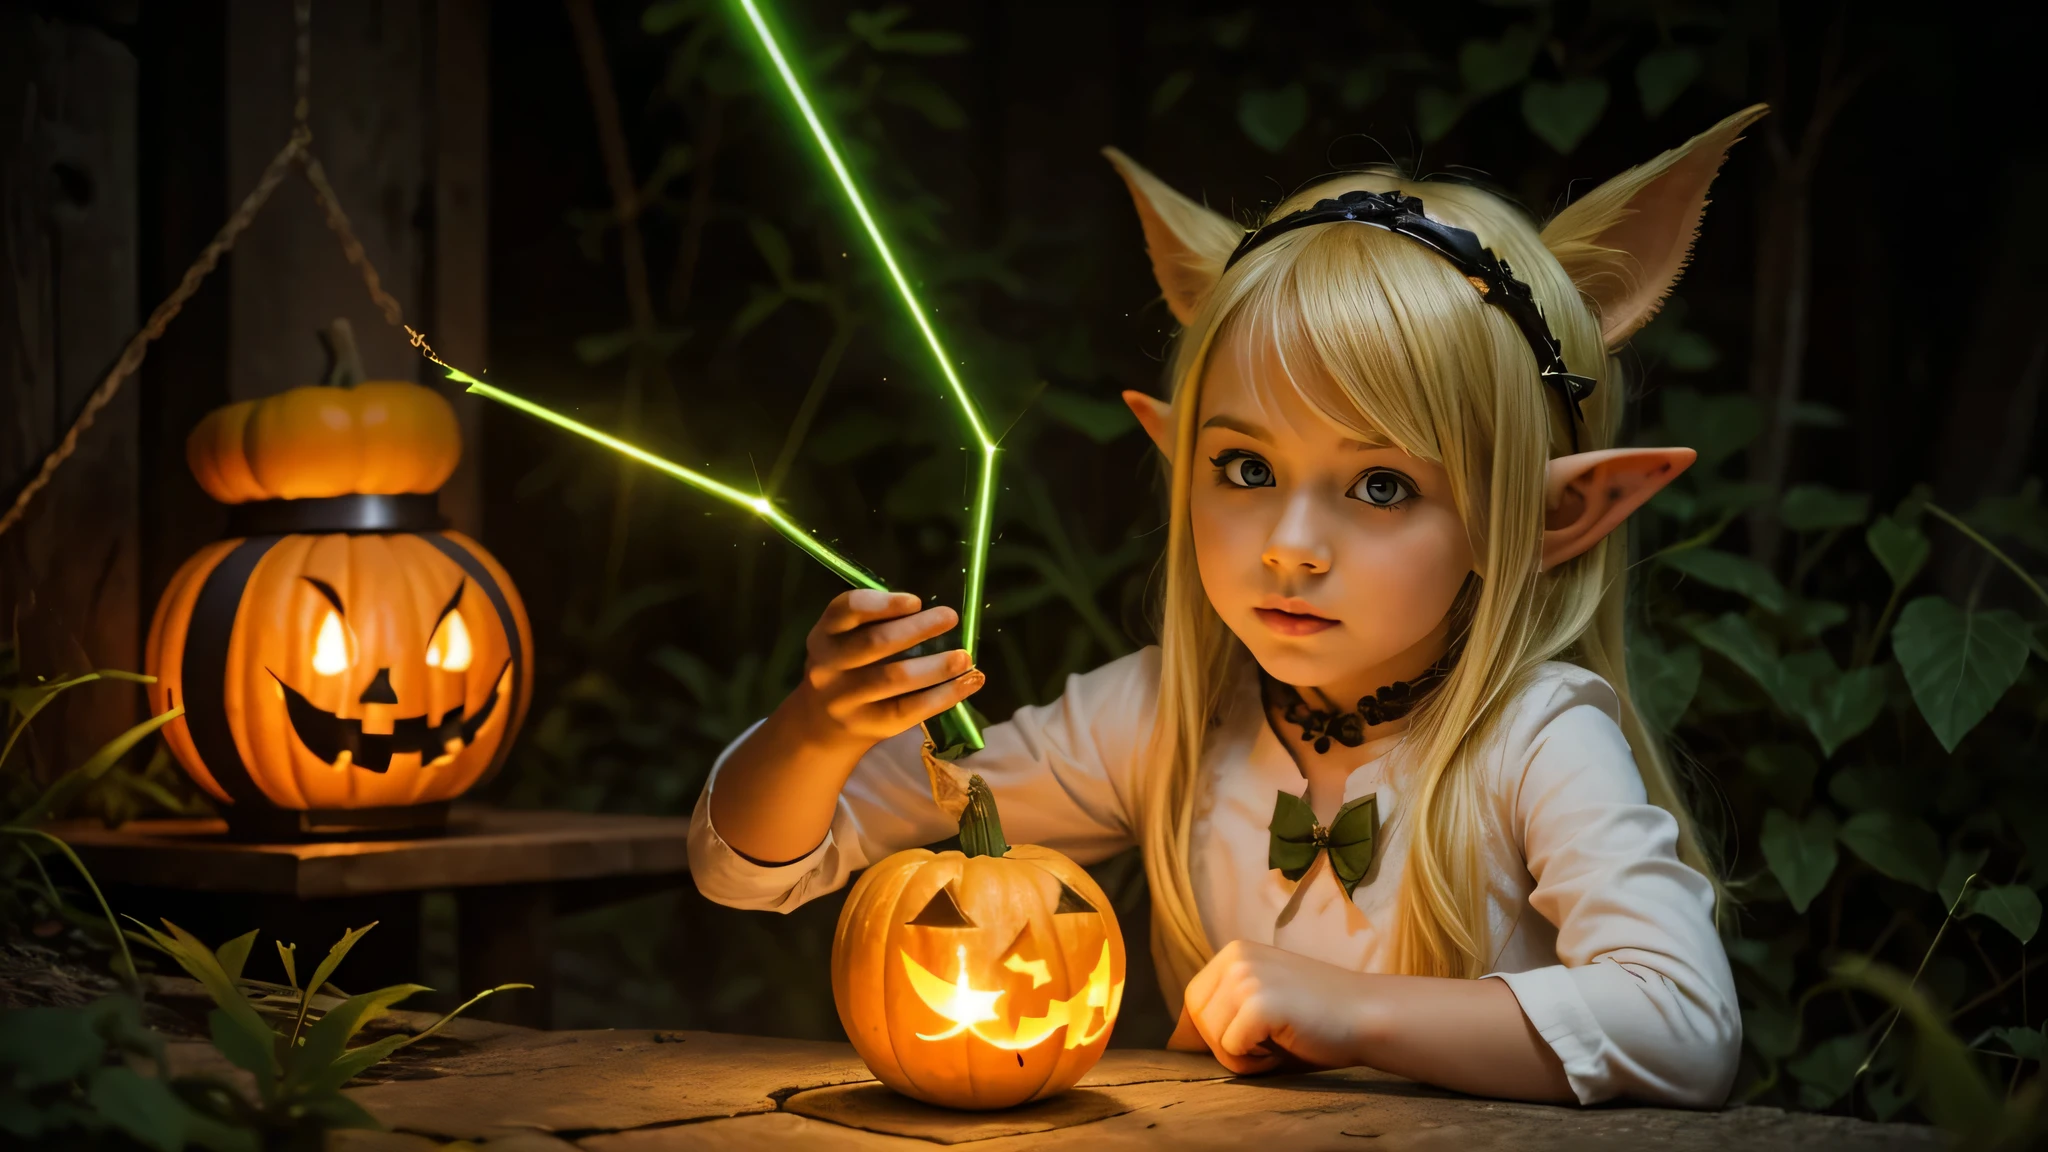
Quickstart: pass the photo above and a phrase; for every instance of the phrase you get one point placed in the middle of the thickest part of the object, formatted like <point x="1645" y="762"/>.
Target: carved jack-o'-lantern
<point x="344" y="663"/>
<point x="978" y="979"/>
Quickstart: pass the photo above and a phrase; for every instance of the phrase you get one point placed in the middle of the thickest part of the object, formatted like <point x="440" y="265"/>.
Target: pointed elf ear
<point x="1625" y="242"/>
<point x="1588" y="495"/>
<point x="1188" y="243"/>
<point x="1156" y="417"/>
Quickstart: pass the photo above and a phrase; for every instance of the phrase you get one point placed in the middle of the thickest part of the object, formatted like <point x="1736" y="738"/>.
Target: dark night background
<point x="1863" y="315"/>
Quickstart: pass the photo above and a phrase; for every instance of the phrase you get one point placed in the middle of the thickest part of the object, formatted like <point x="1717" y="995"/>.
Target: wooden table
<point x="511" y="872"/>
<point x="637" y="1091"/>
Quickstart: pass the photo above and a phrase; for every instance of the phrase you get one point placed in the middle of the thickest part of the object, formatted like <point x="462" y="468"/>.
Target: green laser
<point x="953" y="733"/>
<point x="983" y="512"/>
<point x="752" y="502"/>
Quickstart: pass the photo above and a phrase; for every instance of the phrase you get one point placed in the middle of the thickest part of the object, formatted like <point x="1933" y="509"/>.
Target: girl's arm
<point x="1640" y="1003"/>
<point x="1258" y="1008"/>
<point x="792" y="809"/>
<point x="777" y="790"/>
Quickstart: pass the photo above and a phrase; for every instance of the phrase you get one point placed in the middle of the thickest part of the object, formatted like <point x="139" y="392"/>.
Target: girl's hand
<point x="774" y="797"/>
<point x="1259" y="1008"/>
<point x="853" y="694"/>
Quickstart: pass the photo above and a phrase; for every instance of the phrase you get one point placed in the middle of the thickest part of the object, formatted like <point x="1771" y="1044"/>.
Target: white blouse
<point x="1619" y="968"/>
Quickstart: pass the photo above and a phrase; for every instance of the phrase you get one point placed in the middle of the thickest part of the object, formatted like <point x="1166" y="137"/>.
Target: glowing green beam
<point x="983" y="512"/>
<point x="758" y="504"/>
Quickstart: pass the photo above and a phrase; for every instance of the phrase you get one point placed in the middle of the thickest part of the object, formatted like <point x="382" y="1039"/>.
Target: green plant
<point x="1876" y="740"/>
<point x="299" y="1056"/>
<point x="22" y="898"/>
<point x="72" y="1081"/>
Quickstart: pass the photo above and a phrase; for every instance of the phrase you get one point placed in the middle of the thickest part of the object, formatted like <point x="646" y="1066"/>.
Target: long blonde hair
<point x="1410" y="355"/>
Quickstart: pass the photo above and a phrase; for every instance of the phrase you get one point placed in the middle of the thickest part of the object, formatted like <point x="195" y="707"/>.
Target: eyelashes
<point x="1241" y="469"/>
<point x="1382" y="488"/>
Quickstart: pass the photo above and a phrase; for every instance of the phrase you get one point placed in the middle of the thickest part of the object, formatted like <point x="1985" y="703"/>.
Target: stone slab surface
<point x="482" y="846"/>
<point x="639" y="1091"/>
<point x="604" y="1081"/>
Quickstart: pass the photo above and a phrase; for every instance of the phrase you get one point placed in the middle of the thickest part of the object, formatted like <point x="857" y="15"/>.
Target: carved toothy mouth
<point x="328" y="736"/>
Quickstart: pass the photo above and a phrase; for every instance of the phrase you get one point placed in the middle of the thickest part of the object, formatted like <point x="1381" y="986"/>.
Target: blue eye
<point x="1241" y="469"/>
<point x="1383" y="488"/>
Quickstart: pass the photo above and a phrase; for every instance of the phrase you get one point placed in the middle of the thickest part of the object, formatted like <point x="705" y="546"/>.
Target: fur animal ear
<point x="1188" y="243"/>
<point x="1625" y="243"/>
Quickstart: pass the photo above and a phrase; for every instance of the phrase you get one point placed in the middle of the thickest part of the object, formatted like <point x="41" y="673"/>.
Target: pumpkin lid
<point x="342" y="438"/>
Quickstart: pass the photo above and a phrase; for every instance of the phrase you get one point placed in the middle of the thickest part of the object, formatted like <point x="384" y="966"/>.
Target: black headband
<point x="1398" y="212"/>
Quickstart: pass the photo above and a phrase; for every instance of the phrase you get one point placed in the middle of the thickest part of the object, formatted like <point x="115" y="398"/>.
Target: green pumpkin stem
<point x="344" y="361"/>
<point x="981" y="830"/>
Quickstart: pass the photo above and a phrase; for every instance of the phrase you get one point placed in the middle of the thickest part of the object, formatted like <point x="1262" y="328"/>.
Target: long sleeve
<point x="1063" y="775"/>
<point x="1643" y="1004"/>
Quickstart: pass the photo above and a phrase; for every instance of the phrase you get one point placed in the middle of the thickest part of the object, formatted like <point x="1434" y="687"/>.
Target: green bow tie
<point x="1349" y="838"/>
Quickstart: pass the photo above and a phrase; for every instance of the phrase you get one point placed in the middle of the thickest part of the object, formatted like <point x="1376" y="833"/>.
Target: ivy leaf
<point x="1100" y="420"/>
<point x="44" y="1046"/>
<point x="1716" y="427"/>
<point x="1816" y="507"/>
<point x="1816" y="414"/>
<point x="2026" y="1043"/>
<point x="762" y="303"/>
<point x="1663" y="75"/>
<point x="1885" y="1099"/>
<point x="1900" y="547"/>
<point x="1813" y="617"/>
<point x="1958" y="663"/>
<point x="1787" y="772"/>
<point x="1736" y="638"/>
<point x="1562" y="113"/>
<point x="1362" y="86"/>
<point x="773" y="247"/>
<point x="1954" y="874"/>
<point x="1170" y="91"/>
<point x="1436" y="113"/>
<point x="144" y="1108"/>
<point x="1901" y="847"/>
<point x="2014" y="906"/>
<point x="666" y="16"/>
<point x="1800" y="853"/>
<point x="1771" y="1031"/>
<point x="1272" y="117"/>
<point x="1664" y="679"/>
<point x="877" y="29"/>
<point x="1731" y="573"/>
<point x="927" y="99"/>
<point x="1497" y="65"/>
<point x="1826" y="1072"/>
<point x="1837" y="706"/>
<point x="1774" y="961"/>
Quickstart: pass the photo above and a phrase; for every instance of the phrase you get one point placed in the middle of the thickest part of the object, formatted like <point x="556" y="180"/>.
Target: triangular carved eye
<point x="942" y="911"/>
<point x="1072" y="901"/>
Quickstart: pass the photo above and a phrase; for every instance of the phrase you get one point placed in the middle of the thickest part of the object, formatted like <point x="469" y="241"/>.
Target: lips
<point x="327" y="736"/>
<point x="1292" y="618"/>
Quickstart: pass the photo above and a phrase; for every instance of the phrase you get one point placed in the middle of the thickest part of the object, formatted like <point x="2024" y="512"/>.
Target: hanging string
<point x="296" y="151"/>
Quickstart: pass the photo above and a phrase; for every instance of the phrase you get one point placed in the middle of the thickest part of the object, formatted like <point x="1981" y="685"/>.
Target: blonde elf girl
<point x="1393" y="483"/>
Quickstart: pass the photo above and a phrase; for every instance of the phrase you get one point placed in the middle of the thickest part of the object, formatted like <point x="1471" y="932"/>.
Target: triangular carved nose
<point x="379" y="691"/>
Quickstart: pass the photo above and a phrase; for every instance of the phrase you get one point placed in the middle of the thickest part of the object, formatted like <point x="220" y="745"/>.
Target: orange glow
<point x="449" y="650"/>
<point x="330" y="647"/>
<point x="973" y="1011"/>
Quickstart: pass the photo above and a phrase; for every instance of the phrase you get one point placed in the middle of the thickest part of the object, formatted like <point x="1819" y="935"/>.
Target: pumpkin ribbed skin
<point x="1018" y="934"/>
<point x="393" y="589"/>
<point x="378" y="438"/>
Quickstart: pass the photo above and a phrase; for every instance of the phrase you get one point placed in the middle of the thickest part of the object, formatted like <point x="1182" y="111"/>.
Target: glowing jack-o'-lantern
<point x="982" y="978"/>
<point x="345" y="664"/>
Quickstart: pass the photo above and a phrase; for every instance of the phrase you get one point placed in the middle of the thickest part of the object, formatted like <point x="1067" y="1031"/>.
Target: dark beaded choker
<point x="1320" y="725"/>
